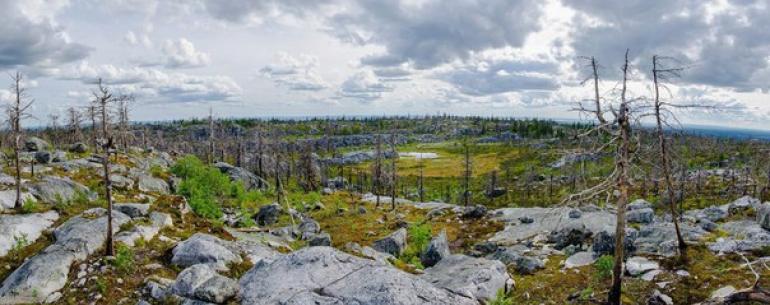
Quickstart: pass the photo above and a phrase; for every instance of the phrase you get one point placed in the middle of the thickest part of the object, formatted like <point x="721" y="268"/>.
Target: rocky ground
<point x="349" y="253"/>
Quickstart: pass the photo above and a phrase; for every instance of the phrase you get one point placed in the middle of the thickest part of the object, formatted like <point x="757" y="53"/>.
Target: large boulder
<point x="570" y="234"/>
<point x="324" y="275"/>
<point x="205" y="249"/>
<point x="604" y="242"/>
<point x="86" y="231"/>
<point x="35" y="144"/>
<point x="23" y="228"/>
<point x="268" y="214"/>
<point x="476" y="278"/>
<point x="393" y="244"/>
<point x="8" y="199"/>
<point x="437" y="250"/>
<point x="43" y="157"/>
<point x="150" y="184"/>
<point x="638" y="265"/>
<point x="78" y="148"/>
<point x="742" y="204"/>
<point x="644" y="215"/>
<point x="121" y="182"/>
<point x="54" y="190"/>
<point x="200" y="282"/>
<point x="238" y="174"/>
<point x="133" y="210"/>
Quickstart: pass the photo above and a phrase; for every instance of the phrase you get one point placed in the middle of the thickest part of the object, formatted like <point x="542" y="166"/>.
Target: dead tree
<point x="618" y="181"/>
<point x="94" y="134"/>
<point x="17" y="110"/>
<point x="467" y="173"/>
<point x="123" y="121"/>
<point x="420" y="181"/>
<point x="212" y="145"/>
<point x="393" y="171"/>
<point x="377" y="170"/>
<point x="660" y="74"/>
<point x="73" y="124"/>
<point x="53" y="134"/>
<point x="102" y="104"/>
<point x="310" y="174"/>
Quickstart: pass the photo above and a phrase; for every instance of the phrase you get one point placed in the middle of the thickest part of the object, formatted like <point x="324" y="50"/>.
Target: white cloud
<point x="298" y="73"/>
<point x="363" y="86"/>
<point x="181" y="53"/>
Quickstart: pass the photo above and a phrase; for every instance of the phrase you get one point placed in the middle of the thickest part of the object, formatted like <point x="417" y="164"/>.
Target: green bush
<point x="418" y="239"/>
<point x="124" y="259"/>
<point x="203" y="186"/>
<point x="604" y="265"/>
<point x="501" y="299"/>
<point x="29" y="206"/>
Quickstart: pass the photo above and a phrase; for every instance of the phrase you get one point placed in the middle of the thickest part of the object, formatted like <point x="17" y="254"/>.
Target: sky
<point x="286" y="58"/>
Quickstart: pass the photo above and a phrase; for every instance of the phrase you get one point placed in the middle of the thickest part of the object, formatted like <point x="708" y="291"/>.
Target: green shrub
<point x="418" y="239"/>
<point x="203" y="186"/>
<point x="19" y="242"/>
<point x="604" y="265"/>
<point x="29" y="206"/>
<point x="157" y="171"/>
<point x="501" y="299"/>
<point x="124" y="259"/>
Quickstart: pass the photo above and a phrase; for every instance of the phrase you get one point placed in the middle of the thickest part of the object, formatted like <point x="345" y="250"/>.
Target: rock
<point x="393" y="244"/>
<point x="570" y="234"/>
<point x="708" y="225"/>
<point x="133" y="210"/>
<point x="59" y="156"/>
<point x="474" y="212"/>
<point x="528" y="264"/>
<point x="204" y="249"/>
<point x="644" y="215"/>
<point x="23" y="227"/>
<point x="43" y="157"/>
<point x="55" y="190"/>
<point x="8" y="199"/>
<point x="742" y="204"/>
<point x="437" y="249"/>
<point x="121" y="182"/>
<point x="249" y="180"/>
<point x="579" y="259"/>
<point x="308" y="228"/>
<point x="323" y="239"/>
<point x="604" y="242"/>
<point x="324" y="275"/>
<point x="476" y="278"/>
<point x="714" y="213"/>
<point x="723" y="292"/>
<point x="660" y="238"/>
<point x="362" y="210"/>
<point x="53" y="298"/>
<point x="659" y="298"/>
<point x="149" y="184"/>
<point x="35" y="144"/>
<point x="46" y="273"/>
<point x="639" y="204"/>
<point x="574" y="214"/>
<point x="268" y="214"/>
<point x="145" y="232"/>
<point x="763" y="216"/>
<point x="202" y="283"/>
<point x="638" y="265"/>
<point x="78" y="148"/>
<point x="526" y="220"/>
<point x="650" y="275"/>
<point x="545" y="220"/>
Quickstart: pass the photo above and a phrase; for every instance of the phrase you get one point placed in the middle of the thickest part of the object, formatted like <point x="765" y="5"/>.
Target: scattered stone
<point x="200" y="282"/>
<point x="574" y="214"/>
<point x="638" y="265"/>
<point x="604" y="242"/>
<point x="723" y="292"/>
<point x="308" y="228"/>
<point x="526" y="219"/>
<point x="475" y="212"/>
<point x="476" y="278"/>
<point x="649" y="276"/>
<point x="715" y="213"/>
<point x="78" y="147"/>
<point x="204" y="249"/>
<point x="644" y="215"/>
<point x="528" y="264"/>
<point x="639" y="204"/>
<point x="579" y="259"/>
<point x="436" y="250"/>
<point x="268" y="214"/>
<point x="570" y="234"/>
<point x="55" y="190"/>
<point x="133" y="210"/>
<point x="150" y="184"/>
<point x="659" y="298"/>
<point x="43" y="157"/>
<point x="36" y="144"/>
<point x="708" y="225"/>
<point x="393" y="244"/>
<point x="742" y="204"/>
<point x="323" y="239"/>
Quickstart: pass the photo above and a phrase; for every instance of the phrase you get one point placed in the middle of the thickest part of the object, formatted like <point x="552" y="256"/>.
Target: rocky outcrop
<point x="23" y="229"/>
<point x="146" y="232"/>
<point x="437" y="250"/>
<point x="201" y="283"/>
<point x="249" y="180"/>
<point x="35" y="144"/>
<point x="8" y="199"/>
<point x="268" y="214"/>
<point x="324" y="275"/>
<point x="150" y="184"/>
<point x="55" y="190"/>
<point x="46" y="273"/>
<point x="540" y="220"/>
<point x="205" y="249"/>
<point x="393" y="244"/>
<point x="476" y="278"/>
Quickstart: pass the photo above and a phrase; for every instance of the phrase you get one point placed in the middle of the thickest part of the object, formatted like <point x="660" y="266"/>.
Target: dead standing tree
<point x="377" y="172"/>
<point x="393" y="171"/>
<point x="73" y="124"/>
<point x="618" y="181"/>
<point x="17" y="111"/>
<point x="102" y="105"/>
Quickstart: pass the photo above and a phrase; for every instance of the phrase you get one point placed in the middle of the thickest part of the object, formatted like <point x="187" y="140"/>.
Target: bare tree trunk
<point x="622" y="163"/>
<point x="393" y="171"/>
<point x="666" y="162"/>
<point x="467" y="175"/>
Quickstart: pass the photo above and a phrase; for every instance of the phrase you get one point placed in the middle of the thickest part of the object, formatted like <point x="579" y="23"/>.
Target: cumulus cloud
<point x="500" y="75"/>
<point x="722" y="44"/>
<point x="432" y="32"/>
<point x="298" y="73"/>
<point x="31" y="38"/>
<point x="242" y="11"/>
<point x="155" y="85"/>
<point x="363" y="86"/>
<point x="181" y="53"/>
